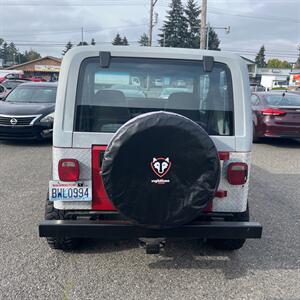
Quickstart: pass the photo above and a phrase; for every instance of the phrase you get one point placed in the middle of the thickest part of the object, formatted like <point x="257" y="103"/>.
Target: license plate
<point x="70" y="191"/>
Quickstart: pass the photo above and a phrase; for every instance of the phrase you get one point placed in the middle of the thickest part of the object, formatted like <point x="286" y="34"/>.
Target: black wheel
<point x="256" y="139"/>
<point x="64" y="243"/>
<point x="231" y="244"/>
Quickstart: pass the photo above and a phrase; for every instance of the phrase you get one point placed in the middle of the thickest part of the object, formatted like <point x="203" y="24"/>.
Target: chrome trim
<point x="35" y="118"/>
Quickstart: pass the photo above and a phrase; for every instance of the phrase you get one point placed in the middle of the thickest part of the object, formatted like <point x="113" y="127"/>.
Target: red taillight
<point x="68" y="169"/>
<point x="272" y="112"/>
<point x="237" y="173"/>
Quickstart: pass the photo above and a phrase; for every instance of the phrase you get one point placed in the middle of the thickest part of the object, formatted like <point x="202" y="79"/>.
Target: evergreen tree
<point x="68" y="46"/>
<point x="117" y="40"/>
<point x="125" y="41"/>
<point x="192" y="12"/>
<point x="144" y="40"/>
<point x="175" y="28"/>
<point x="93" y="42"/>
<point x="260" y="57"/>
<point x="298" y="60"/>
<point x="213" y="40"/>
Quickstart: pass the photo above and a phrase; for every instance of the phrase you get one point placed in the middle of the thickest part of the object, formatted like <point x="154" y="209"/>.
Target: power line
<point x="78" y="3"/>
<point x="259" y="17"/>
<point x="74" y="30"/>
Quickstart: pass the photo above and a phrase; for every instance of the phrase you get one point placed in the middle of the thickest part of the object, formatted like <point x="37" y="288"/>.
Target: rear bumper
<point x="275" y="130"/>
<point x="121" y="230"/>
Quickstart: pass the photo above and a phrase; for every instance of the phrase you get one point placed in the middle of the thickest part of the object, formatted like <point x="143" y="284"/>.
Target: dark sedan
<point x="28" y="112"/>
<point x="276" y="114"/>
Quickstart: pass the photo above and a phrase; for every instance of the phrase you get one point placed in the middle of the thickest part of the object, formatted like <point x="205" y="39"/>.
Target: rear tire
<point x="255" y="138"/>
<point x="231" y="244"/>
<point x="58" y="243"/>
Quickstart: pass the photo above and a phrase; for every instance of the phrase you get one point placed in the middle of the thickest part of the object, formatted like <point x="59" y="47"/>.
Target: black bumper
<point x="121" y="230"/>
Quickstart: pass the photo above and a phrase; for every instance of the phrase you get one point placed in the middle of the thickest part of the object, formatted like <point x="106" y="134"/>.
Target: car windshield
<point x="109" y="97"/>
<point x="283" y="99"/>
<point x="32" y="94"/>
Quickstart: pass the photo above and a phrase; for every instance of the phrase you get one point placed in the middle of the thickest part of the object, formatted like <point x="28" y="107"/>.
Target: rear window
<point x="109" y="97"/>
<point x="283" y="100"/>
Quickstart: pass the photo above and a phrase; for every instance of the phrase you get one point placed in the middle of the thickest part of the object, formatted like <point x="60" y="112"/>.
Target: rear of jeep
<point x="153" y="144"/>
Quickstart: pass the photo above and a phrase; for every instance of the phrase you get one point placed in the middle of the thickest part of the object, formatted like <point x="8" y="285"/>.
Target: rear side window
<point x="109" y="97"/>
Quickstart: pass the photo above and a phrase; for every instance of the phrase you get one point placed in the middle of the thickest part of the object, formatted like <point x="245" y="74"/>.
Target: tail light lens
<point x="68" y="169"/>
<point x="237" y="173"/>
<point x="272" y="112"/>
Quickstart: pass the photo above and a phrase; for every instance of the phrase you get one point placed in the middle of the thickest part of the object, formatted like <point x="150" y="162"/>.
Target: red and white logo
<point x="161" y="166"/>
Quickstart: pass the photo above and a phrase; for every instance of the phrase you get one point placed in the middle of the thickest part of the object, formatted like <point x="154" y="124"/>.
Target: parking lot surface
<point x="264" y="269"/>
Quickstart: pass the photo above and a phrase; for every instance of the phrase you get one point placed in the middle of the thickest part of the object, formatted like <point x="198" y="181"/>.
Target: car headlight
<point x="48" y="119"/>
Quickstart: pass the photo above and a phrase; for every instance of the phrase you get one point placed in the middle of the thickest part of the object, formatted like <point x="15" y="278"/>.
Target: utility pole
<point x="152" y="4"/>
<point x="81" y="36"/>
<point x="203" y="24"/>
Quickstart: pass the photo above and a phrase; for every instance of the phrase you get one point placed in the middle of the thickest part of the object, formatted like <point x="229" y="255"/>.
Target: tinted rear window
<point x="109" y="97"/>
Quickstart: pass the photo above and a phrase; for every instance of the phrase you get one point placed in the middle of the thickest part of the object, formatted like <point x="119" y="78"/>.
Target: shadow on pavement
<point x="280" y="142"/>
<point x="278" y="248"/>
<point x="27" y="143"/>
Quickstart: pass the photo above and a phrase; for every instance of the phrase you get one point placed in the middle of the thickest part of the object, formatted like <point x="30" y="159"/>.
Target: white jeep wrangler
<point x="136" y="159"/>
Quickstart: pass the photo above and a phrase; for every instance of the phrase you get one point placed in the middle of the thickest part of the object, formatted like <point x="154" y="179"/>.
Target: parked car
<point x="276" y="114"/>
<point x="130" y="91"/>
<point x="10" y="74"/>
<point x="12" y="83"/>
<point x="27" y="112"/>
<point x="3" y="91"/>
<point x="254" y="87"/>
<point x="157" y="175"/>
<point x="167" y="92"/>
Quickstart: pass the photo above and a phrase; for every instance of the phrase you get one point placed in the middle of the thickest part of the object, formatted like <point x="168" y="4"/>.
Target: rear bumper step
<point x="118" y="230"/>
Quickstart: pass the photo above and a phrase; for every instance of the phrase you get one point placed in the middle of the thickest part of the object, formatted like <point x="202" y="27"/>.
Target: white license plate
<point x="70" y="191"/>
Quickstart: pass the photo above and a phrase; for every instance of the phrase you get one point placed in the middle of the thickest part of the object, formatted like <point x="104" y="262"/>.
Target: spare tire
<point x="160" y="170"/>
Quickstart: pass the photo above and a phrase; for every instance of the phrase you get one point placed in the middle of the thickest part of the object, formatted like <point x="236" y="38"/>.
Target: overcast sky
<point x="47" y="25"/>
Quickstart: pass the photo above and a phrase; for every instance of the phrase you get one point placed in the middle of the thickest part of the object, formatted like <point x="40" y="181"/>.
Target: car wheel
<point x="59" y="243"/>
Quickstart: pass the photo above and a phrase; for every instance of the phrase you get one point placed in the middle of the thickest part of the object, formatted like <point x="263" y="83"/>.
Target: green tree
<point x="144" y="40"/>
<point x="125" y="41"/>
<point x="192" y="12"/>
<point x="297" y="65"/>
<point x="260" y="57"/>
<point x="93" y="42"/>
<point x="68" y="46"/>
<point x="31" y="55"/>
<point x="175" y="28"/>
<point x="117" y="40"/>
<point x="213" y="40"/>
<point x="279" y="64"/>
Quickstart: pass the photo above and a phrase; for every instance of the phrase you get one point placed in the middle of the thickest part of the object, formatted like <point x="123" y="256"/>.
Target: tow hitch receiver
<point x="152" y="246"/>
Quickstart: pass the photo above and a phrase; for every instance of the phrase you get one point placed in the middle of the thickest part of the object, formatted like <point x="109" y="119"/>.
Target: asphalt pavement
<point x="268" y="268"/>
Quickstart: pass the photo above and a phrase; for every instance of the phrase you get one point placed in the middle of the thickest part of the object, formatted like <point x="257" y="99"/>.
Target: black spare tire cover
<point x="160" y="170"/>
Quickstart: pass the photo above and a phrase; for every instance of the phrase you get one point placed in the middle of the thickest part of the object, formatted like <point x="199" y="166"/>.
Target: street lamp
<point x="208" y="27"/>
